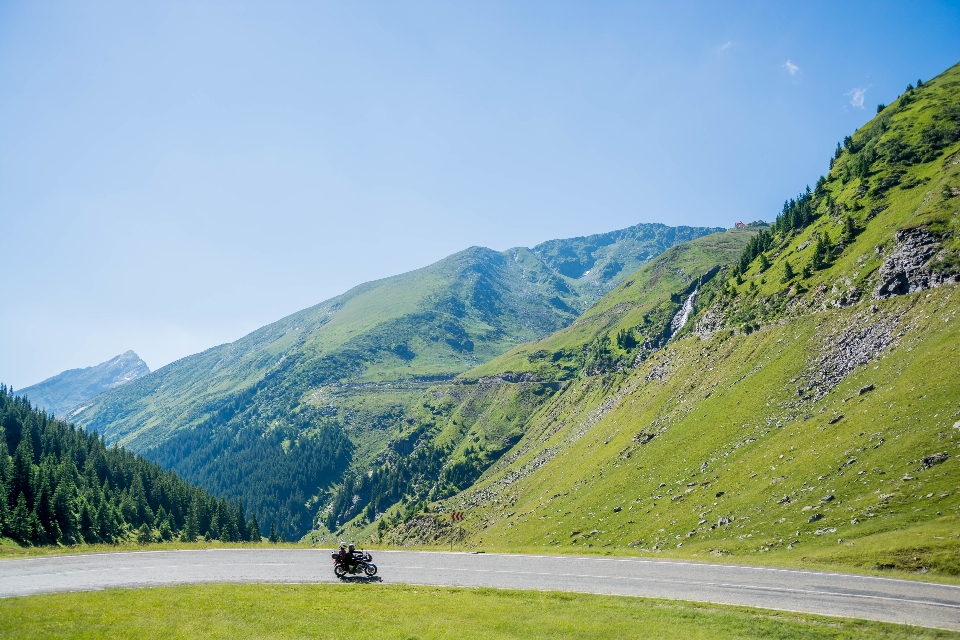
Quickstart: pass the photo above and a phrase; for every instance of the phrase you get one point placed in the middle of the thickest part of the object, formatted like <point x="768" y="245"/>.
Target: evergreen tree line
<point x="797" y="214"/>
<point x="407" y="477"/>
<point x="64" y="485"/>
<point x="275" y="472"/>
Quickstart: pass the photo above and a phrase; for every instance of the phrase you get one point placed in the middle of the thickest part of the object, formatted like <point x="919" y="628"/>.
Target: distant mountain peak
<point x="71" y="388"/>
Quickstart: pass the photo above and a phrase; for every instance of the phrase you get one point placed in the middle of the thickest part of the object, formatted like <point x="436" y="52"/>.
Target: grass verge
<point x="12" y="549"/>
<point x="379" y="611"/>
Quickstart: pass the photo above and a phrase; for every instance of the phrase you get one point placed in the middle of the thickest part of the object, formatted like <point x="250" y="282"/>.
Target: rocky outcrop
<point x="846" y="346"/>
<point x="906" y="269"/>
<point x="710" y="322"/>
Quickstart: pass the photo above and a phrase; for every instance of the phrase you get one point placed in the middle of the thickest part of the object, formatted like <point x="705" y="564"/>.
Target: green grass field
<point x="382" y="612"/>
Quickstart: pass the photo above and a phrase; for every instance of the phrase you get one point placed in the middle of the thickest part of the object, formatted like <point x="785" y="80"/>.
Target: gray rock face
<point x="906" y="269"/>
<point x="71" y="388"/>
<point x="710" y="322"/>
<point x="844" y="347"/>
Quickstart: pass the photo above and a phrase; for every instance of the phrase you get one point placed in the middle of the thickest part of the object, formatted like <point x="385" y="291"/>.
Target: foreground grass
<point x="378" y="611"/>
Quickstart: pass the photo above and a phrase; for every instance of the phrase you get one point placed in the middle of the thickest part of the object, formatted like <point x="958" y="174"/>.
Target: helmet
<point x="343" y="545"/>
<point x="352" y="548"/>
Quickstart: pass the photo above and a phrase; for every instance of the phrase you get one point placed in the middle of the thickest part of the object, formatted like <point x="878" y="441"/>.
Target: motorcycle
<point x="363" y="564"/>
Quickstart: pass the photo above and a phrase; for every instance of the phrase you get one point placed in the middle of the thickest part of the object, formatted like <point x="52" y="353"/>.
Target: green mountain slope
<point x="803" y="413"/>
<point x="246" y="419"/>
<point x="457" y="430"/>
<point x="73" y="387"/>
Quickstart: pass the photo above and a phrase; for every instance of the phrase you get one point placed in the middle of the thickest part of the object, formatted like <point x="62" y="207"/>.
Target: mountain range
<point x="251" y="418"/>
<point x="800" y="404"/>
<point x="71" y="388"/>
<point x="786" y="389"/>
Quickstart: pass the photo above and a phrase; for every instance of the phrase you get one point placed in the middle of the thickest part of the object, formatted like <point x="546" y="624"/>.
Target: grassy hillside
<point x="457" y="430"/>
<point x="802" y="414"/>
<point x="278" y="415"/>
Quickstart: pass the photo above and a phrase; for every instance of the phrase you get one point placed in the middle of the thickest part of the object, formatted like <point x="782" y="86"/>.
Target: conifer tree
<point x="23" y="474"/>
<point x="764" y="263"/>
<point x="87" y="522"/>
<point x="849" y="230"/>
<point x="4" y="509"/>
<point x="788" y="273"/>
<point x="821" y="251"/>
<point x="63" y="510"/>
<point x="144" y="534"/>
<point x="253" y="530"/>
<point x="241" y="520"/>
<point x="273" y="534"/>
<point x="139" y="497"/>
<point x="6" y="473"/>
<point x="214" y="529"/>
<point x="48" y="531"/>
<point x="105" y="525"/>
<point x="229" y="531"/>
<point x="20" y="521"/>
<point x="190" y="527"/>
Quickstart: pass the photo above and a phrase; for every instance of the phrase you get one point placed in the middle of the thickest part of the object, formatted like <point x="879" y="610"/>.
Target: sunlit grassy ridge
<point x="377" y="611"/>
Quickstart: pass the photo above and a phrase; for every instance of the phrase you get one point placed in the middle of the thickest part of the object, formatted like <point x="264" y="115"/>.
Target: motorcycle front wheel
<point x="370" y="570"/>
<point x="339" y="570"/>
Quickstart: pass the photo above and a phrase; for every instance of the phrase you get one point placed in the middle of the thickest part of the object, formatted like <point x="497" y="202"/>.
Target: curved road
<point x="834" y="594"/>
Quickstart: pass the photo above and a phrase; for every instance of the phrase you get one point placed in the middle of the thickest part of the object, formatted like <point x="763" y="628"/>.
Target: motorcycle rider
<point x="343" y="556"/>
<point x="353" y="557"/>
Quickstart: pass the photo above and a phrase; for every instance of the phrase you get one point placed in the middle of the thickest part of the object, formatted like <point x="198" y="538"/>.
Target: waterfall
<point x="681" y="318"/>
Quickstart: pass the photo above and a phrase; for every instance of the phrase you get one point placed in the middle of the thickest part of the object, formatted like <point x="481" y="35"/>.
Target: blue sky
<point x="175" y="175"/>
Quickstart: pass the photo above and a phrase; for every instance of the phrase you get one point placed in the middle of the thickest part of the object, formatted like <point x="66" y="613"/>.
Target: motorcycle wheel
<point x="339" y="570"/>
<point x="370" y="570"/>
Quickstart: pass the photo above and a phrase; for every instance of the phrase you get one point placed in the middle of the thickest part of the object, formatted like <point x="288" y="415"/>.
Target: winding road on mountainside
<point x="833" y="594"/>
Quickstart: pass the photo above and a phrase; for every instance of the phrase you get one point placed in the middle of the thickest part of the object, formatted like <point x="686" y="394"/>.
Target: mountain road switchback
<point x="832" y="594"/>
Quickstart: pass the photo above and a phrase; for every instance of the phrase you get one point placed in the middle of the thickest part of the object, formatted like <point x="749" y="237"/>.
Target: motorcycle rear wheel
<point x="339" y="570"/>
<point x="370" y="570"/>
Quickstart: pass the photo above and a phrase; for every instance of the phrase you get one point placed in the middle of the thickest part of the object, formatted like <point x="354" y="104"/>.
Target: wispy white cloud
<point x="791" y="68"/>
<point x="724" y="46"/>
<point x="857" y="94"/>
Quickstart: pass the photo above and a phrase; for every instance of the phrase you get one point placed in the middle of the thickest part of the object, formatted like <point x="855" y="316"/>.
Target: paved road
<point x="834" y="594"/>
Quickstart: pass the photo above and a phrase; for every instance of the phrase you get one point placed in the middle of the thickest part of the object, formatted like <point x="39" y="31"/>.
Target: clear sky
<point x="175" y="175"/>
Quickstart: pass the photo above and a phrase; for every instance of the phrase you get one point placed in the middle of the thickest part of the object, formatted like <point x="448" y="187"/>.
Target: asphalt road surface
<point x="834" y="594"/>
